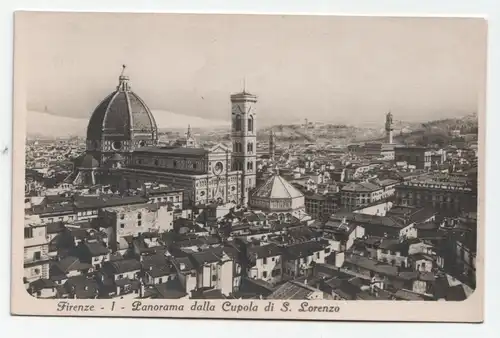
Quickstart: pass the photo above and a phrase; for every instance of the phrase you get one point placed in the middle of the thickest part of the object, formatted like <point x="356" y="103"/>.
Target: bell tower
<point x="244" y="138"/>
<point x="272" y="145"/>
<point x="388" y="128"/>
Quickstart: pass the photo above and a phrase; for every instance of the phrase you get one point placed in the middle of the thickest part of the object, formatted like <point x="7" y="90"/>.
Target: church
<point x="122" y="150"/>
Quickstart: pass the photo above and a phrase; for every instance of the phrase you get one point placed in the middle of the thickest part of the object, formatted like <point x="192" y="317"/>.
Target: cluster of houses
<point x="149" y="246"/>
<point x="376" y="224"/>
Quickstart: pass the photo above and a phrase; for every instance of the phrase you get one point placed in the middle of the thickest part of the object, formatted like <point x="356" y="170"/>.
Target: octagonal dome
<point x="276" y="194"/>
<point x="122" y="116"/>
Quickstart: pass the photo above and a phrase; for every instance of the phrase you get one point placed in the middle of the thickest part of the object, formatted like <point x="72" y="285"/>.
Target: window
<point x="317" y="255"/>
<point x="264" y="260"/>
<point x="37" y="255"/>
<point x="28" y="232"/>
<point x="250" y="147"/>
<point x="117" y="145"/>
<point x="122" y="216"/>
<point x="122" y="226"/>
<point x="214" y="278"/>
<point x="139" y="216"/>
<point x="238" y="123"/>
<point x="250" y="123"/>
<point x="160" y="280"/>
<point x="264" y="274"/>
<point x="327" y="250"/>
<point x="139" y="223"/>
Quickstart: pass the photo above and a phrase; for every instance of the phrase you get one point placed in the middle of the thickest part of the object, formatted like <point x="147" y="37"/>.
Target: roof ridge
<point x="282" y="180"/>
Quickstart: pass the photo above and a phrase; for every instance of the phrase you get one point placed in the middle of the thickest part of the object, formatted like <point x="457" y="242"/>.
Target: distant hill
<point x="438" y="132"/>
<point x="320" y="132"/>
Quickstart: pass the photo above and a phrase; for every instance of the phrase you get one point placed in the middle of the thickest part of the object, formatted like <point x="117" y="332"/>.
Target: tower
<point x="272" y="145"/>
<point x="388" y="128"/>
<point x="190" y="141"/>
<point x="244" y="137"/>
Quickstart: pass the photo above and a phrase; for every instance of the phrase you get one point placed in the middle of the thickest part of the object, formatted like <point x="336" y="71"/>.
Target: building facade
<point x="444" y="195"/>
<point x="122" y="151"/>
<point x="420" y="157"/>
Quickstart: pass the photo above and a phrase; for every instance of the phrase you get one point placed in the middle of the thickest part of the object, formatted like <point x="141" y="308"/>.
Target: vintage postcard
<point x="308" y="167"/>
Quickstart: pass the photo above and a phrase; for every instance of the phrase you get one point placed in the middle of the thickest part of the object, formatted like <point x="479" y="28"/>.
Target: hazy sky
<point x="335" y="69"/>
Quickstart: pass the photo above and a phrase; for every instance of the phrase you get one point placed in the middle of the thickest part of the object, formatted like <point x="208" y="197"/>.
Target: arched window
<point x="250" y="123"/>
<point x="250" y="147"/>
<point x="238" y="123"/>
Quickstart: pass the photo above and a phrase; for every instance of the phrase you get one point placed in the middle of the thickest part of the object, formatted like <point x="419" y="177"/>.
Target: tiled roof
<point x="96" y="249"/>
<point x="261" y="251"/>
<point x="276" y="187"/>
<point x="178" y="151"/>
<point x="121" y="266"/>
<point x="361" y="187"/>
<point x="292" y="290"/>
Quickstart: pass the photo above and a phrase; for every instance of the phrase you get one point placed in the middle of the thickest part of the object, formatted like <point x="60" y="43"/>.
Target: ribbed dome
<point x="122" y="115"/>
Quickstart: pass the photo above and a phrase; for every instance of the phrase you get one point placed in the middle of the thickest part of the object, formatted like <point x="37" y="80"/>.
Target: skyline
<point x="418" y="68"/>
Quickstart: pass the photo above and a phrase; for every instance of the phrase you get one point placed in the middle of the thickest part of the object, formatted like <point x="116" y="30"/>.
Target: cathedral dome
<point x="121" y="122"/>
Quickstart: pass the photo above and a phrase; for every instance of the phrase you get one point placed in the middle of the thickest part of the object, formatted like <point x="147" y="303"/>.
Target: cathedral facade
<point x="122" y="150"/>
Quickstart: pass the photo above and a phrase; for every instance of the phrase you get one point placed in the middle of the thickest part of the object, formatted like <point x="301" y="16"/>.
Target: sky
<point x="349" y="70"/>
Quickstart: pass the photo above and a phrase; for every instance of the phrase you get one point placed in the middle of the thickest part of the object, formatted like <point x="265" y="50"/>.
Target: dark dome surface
<point x="88" y="161"/>
<point x="122" y="114"/>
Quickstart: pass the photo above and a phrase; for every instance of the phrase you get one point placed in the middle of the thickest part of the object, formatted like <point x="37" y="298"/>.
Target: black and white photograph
<point x="228" y="159"/>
